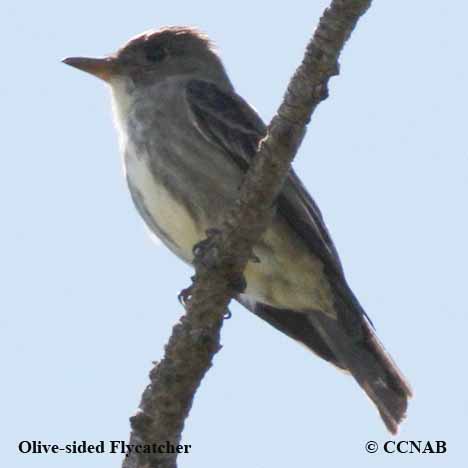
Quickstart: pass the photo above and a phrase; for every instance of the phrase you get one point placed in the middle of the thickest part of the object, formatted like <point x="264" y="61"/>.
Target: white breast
<point x="169" y="216"/>
<point x="122" y="102"/>
<point x="166" y="213"/>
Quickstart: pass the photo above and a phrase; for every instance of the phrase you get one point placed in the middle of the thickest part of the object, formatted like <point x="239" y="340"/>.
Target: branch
<point x="166" y="402"/>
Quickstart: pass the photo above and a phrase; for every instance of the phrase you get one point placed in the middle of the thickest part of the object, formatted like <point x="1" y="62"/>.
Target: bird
<point x="187" y="139"/>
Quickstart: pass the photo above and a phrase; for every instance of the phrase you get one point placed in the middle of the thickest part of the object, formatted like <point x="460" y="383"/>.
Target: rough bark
<point x="168" y="398"/>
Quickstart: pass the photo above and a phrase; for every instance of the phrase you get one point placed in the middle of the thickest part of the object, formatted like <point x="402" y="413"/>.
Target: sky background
<point x="88" y="300"/>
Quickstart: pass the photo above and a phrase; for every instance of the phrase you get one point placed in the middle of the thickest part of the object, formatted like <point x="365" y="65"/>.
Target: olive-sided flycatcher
<point x="187" y="140"/>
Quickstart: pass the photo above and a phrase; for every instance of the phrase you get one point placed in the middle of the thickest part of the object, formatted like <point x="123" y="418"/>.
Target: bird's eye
<point x="155" y="54"/>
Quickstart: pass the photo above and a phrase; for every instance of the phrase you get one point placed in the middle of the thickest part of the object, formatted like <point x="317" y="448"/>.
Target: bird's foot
<point x="185" y="295"/>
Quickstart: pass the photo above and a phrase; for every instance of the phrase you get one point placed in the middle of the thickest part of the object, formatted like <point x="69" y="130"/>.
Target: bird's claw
<point x="185" y="295"/>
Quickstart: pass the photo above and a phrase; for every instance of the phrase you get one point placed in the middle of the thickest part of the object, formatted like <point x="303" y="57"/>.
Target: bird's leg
<point x="205" y="252"/>
<point x="198" y="250"/>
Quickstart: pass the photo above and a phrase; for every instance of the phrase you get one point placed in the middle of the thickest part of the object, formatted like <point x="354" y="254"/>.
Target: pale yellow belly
<point x="287" y="276"/>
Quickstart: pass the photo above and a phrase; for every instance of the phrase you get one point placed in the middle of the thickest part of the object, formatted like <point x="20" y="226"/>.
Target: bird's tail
<point x="358" y="350"/>
<point x="350" y="343"/>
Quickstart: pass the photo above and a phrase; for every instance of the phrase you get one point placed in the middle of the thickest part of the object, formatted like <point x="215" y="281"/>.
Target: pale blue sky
<point x="88" y="301"/>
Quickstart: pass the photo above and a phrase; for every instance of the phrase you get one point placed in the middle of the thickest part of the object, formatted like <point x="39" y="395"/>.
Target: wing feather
<point x="228" y="120"/>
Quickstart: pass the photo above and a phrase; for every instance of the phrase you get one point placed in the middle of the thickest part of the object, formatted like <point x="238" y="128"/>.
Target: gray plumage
<point x="187" y="140"/>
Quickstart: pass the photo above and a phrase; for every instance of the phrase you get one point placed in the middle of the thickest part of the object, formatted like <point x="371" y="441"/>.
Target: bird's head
<point x="157" y="55"/>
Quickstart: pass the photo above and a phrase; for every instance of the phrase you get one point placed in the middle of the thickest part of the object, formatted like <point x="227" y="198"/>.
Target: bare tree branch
<point x="166" y="402"/>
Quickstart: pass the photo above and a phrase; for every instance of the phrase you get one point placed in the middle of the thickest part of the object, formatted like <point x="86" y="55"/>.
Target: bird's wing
<point x="349" y="341"/>
<point x="226" y="119"/>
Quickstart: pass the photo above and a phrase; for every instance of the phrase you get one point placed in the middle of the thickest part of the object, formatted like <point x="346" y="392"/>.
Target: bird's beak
<point x="103" y="68"/>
